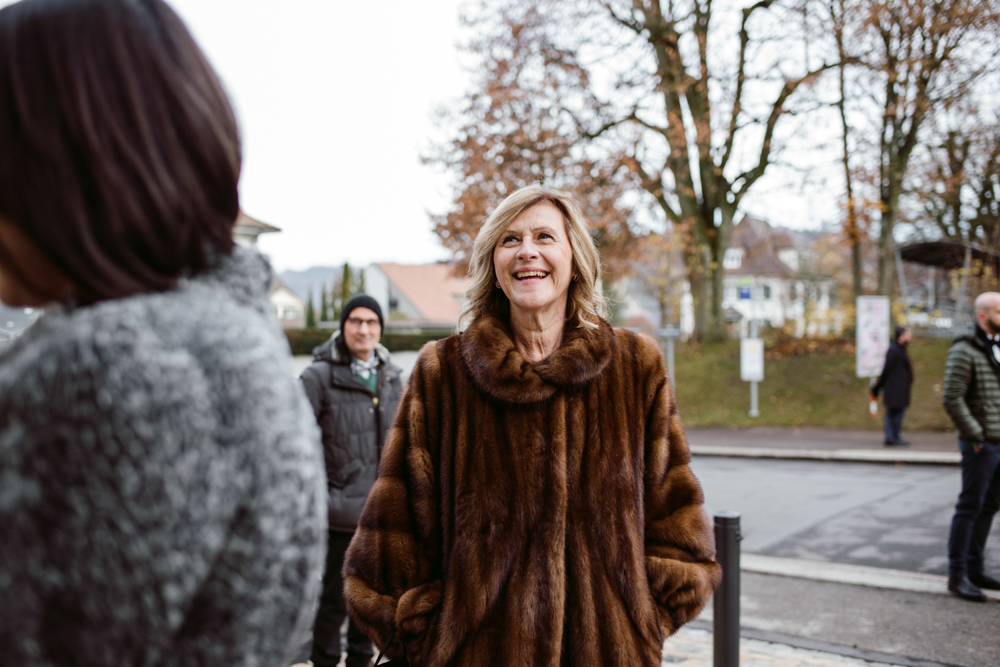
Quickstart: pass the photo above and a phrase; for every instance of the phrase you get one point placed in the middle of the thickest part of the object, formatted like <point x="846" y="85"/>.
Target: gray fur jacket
<point x="162" y="496"/>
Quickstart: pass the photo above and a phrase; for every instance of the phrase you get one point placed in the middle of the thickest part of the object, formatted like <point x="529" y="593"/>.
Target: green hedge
<point x="302" y="341"/>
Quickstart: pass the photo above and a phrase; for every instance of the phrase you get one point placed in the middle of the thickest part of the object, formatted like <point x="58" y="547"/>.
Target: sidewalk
<point x="692" y="647"/>
<point x="823" y="445"/>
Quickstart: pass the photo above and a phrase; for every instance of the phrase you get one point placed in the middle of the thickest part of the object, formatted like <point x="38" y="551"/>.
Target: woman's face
<point x="534" y="261"/>
<point x="44" y="277"/>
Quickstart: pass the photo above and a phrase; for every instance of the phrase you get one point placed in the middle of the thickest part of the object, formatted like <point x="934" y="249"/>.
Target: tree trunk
<point x="706" y="277"/>
<point x="887" y="250"/>
<point x="856" y="267"/>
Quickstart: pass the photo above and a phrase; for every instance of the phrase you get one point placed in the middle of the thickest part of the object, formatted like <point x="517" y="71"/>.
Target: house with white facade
<point x="768" y="276"/>
<point x="288" y="306"/>
<point x="247" y="229"/>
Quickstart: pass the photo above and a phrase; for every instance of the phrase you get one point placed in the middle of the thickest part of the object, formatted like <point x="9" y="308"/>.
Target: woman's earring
<point x="574" y="277"/>
<point x="497" y="283"/>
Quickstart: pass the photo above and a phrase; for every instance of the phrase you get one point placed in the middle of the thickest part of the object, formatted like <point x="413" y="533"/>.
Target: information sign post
<point x="752" y="365"/>
<point x="668" y="334"/>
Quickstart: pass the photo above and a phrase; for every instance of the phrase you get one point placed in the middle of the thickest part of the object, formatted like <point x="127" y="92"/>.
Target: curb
<point x="844" y="455"/>
<point x="857" y="575"/>
<point x="794" y="641"/>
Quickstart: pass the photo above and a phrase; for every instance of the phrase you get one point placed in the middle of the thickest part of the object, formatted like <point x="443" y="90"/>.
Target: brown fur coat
<point x="533" y="514"/>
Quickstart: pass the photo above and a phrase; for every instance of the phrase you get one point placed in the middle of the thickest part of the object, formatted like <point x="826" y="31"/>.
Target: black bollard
<point x="726" y="602"/>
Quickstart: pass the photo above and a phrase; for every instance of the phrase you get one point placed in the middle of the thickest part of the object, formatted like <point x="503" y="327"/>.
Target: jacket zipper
<point x="378" y="413"/>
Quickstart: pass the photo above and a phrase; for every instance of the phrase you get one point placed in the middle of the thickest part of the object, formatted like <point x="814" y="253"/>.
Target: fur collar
<point x="501" y="371"/>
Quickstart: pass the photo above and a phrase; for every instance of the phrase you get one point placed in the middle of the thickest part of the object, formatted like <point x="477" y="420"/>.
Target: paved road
<point x="925" y="626"/>
<point x="878" y="515"/>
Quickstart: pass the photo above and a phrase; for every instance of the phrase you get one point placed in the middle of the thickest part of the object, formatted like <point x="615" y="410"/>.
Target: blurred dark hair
<point x="120" y="152"/>
<point x="899" y="332"/>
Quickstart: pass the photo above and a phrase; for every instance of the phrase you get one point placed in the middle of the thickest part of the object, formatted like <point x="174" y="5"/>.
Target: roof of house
<point x="432" y="288"/>
<point x="244" y="220"/>
<point x="760" y="243"/>
<point x="277" y="284"/>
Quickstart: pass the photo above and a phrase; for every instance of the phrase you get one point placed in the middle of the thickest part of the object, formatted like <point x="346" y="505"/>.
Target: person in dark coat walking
<point x="896" y="379"/>
<point x="353" y="388"/>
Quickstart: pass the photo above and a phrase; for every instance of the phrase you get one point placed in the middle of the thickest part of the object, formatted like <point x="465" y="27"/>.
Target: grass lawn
<point x="801" y="387"/>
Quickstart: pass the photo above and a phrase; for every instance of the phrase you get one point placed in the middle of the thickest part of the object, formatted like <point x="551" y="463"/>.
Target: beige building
<point x="289" y="306"/>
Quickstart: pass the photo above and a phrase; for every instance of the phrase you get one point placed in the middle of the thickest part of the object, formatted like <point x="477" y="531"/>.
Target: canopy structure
<point x="974" y="259"/>
<point x="950" y="255"/>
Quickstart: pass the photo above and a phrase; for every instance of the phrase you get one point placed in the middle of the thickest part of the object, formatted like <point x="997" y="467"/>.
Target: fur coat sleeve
<point x="393" y="571"/>
<point x="680" y="542"/>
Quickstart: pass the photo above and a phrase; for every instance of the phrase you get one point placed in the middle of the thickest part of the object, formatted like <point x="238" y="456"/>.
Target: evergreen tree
<point x="310" y="312"/>
<point x="345" y="285"/>
<point x="335" y="304"/>
<point x="324" y="314"/>
<point x="361" y="282"/>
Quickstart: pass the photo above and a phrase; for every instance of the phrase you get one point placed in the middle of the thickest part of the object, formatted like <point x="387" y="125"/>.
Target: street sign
<point x="872" y="330"/>
<point x="745" y="288"/>
<point x="668" y="332"/>
<point x="752" y="360"/>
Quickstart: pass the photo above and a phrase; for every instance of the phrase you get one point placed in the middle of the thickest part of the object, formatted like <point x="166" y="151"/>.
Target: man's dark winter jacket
<point x="896" y="378"/>
<point x="354" y="423"/>
<point x="971" y="392"/>
<point x="161" y="482"/>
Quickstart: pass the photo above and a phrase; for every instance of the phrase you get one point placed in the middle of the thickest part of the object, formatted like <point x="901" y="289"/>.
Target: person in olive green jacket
<point x="972" y="400"/>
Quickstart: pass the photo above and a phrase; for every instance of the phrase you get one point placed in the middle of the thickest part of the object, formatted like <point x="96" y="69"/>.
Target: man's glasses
<point x="356" y="322"/>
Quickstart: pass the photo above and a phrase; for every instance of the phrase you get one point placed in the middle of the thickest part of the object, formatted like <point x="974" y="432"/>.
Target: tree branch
<point x="740" y="79"/>
<point x="750" y="176"/>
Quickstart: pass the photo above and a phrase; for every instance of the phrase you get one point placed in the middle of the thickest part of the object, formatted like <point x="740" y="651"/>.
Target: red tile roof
<point x="431" y="288"/>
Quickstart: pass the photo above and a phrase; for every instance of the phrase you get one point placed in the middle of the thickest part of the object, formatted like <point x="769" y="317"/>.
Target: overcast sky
<point x="334" y="100"/>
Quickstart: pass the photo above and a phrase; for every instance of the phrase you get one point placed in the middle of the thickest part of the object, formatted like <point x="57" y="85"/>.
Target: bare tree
<point x="515" y="128"/>
<point x="921" y="56"/>
<point x="956" y="187"/>
<point x="639" y="83"/>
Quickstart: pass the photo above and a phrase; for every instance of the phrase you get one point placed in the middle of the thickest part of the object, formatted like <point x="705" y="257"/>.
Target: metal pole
<point x="903" y="294"/>
<point x="726" y="610"/>
<point x="670" y="359"/>
<point x="961" y="316"/>
<point x="754" y="407"/>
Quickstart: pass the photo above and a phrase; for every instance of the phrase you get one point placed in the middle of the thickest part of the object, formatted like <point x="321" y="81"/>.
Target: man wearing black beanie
<point x="353" y="388"/>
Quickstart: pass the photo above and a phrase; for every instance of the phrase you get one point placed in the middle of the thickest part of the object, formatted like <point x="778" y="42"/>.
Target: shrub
<point x="302" y="341"/>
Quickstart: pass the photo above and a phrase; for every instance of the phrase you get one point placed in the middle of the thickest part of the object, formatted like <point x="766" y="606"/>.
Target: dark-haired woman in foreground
<point x="162" y="499"/>
<point x="535" y="506"/>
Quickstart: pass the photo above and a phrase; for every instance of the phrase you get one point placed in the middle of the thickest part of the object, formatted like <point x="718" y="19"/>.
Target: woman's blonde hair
<point x="585" y="302"/>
